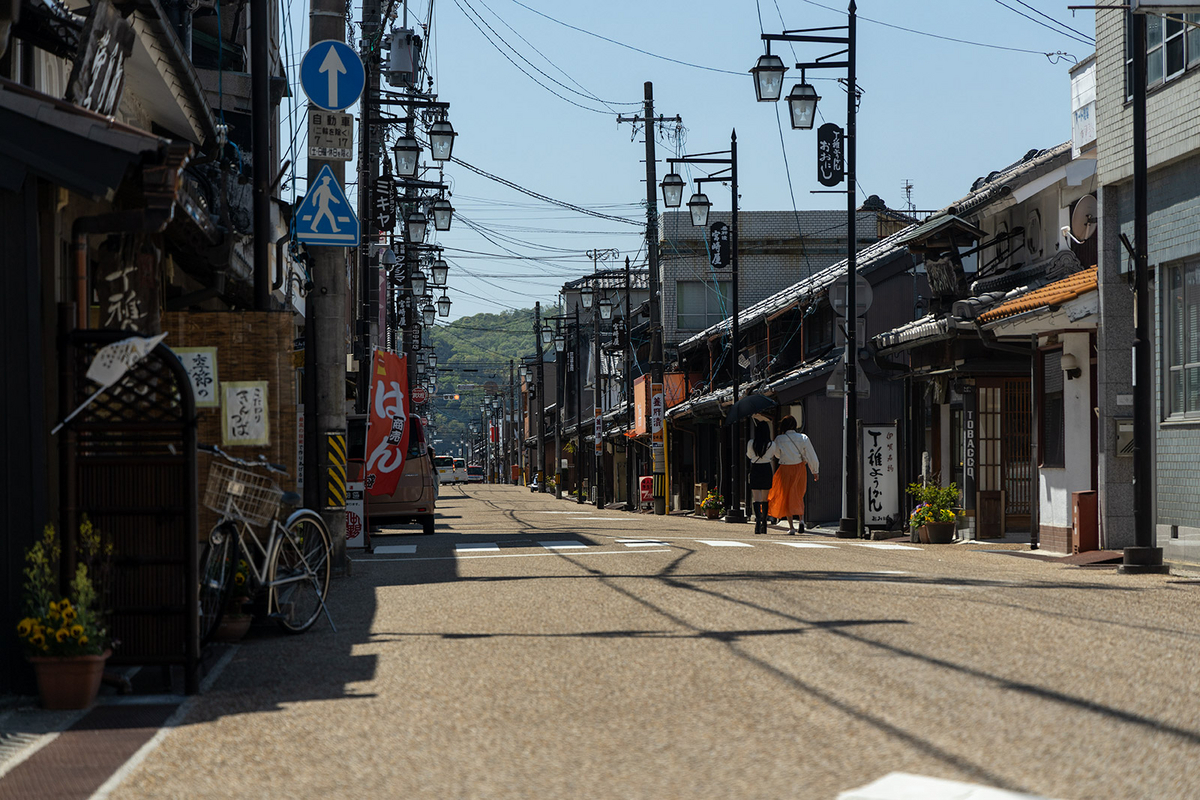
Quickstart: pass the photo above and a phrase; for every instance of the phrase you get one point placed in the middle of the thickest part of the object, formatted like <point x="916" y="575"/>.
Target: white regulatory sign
<point x="330" y="135"/>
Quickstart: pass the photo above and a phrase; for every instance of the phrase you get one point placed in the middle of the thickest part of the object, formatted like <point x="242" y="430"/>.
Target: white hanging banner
<point x="110" y="365"/>
<point x="880" y="475"/>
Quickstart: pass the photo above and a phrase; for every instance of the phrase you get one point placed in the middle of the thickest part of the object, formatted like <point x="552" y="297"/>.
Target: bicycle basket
<point x="241" y="494"/>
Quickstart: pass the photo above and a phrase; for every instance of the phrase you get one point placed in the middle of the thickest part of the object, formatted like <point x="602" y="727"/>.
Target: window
<point x="1171" y="48"/>
<point x="1183" y="347"/>
<point x="818" y="338"/>
<point x="701" y="304"/>
<point x="1053" y="438"/>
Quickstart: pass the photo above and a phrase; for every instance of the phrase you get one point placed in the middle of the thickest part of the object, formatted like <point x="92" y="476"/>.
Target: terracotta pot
<point x="68" y="682"/>
<point x="232" y="627"/>
<point x="712" y="513"/>
<point x="938" y="532"/>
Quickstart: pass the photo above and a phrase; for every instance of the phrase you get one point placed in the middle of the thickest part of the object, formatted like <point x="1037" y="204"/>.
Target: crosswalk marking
<point x="476" y="547"/>
<point x="723" y="543"/>
<point x="562" y="545"/>
<point x="641" y="543"/>
<point x="807" y="544"/>
<point x="396" y="549"/>
<point x="883" y="546"/>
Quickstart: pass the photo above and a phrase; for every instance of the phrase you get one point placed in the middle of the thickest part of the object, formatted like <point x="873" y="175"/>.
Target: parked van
<point x="415" y="497"/>
<point x="460" y="470"/>
<point x="445" y="468"/>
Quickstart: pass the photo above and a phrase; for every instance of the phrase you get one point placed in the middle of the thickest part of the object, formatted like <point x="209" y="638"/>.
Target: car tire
<point x="427" y="525"/>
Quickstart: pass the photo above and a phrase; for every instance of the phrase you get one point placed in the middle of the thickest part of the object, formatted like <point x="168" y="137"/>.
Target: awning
<point x="936" y="233"/>
<point x="65" y="144"/>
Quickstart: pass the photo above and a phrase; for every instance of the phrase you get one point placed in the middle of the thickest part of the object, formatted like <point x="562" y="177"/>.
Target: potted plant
<point x="712" y="504"/>
<point x="234" y="620"/>
<point x="65" y="638"/>
<point x="935" y="515"/>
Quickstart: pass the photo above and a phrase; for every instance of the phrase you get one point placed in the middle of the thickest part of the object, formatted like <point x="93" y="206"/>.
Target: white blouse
<point x="790" y="448"/>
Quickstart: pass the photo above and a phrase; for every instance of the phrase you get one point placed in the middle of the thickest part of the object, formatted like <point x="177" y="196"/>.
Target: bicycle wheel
<point x="216" y="570"/>
<point x="299" y="572"/>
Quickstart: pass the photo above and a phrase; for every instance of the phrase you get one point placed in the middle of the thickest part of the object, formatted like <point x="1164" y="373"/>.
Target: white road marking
<point x="515" y="555"/>
<point x="641" y="543"/>
<point x="566" y="544"/>
<point x="883" y="546"/>
<point x="807" y="544"/>
<point x="723" y="543"/>
<point x="900" y="785"/>
<point x="395" y="549"/>
<point x="481" y="546"/>
<point x="562" y="512"/>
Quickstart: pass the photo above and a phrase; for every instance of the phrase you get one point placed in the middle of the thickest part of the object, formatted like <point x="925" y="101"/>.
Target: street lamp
<point x="672" y="189"/>
<point x="768" y="78"/>
<point x="427" y="314"/>
<point x="443" y="306"/>
<point x="560" y="343"/>
<point x="547" y="334"/>
<point x="438" y="272"/>
<point x="803" y="103"/>
<point x="418" y="283"/>
<point x="416" y="222"/>
<point x="407" y="155"/>
<point x="699" y="206"/>
<point x="586" y="294"/>
<point x="606" y="308"/>
<point x="441" y="140"/>
<point x="433" y="360"/>
<point x="442" y="213"/>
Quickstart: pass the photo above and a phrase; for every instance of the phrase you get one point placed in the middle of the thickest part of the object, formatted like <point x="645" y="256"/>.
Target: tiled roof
<point x="1054" y="294"/>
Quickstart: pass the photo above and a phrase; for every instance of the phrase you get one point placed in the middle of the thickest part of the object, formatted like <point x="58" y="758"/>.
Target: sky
<point x="535" y="88"/>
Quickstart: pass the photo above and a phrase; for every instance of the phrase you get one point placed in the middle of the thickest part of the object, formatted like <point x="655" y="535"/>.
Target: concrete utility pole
<point x="367" y="319"/>
<point x="541" y="400"/>
<point x="656" y="343"/>
<point x="325" y="327"/>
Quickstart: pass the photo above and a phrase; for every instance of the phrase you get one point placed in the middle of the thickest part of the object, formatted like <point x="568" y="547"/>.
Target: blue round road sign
<point x="332" y="75"/>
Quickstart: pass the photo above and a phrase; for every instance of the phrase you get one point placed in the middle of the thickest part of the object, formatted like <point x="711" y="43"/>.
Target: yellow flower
<point x="239" y="579"/>
<point x="53" y="606"/>
<point x="83" y="640"/>
<point x="37" y="640"/>
<point x="62" y="634"/>
<point x="77" y="630"/>
<point x="25" y="627"/>
<point x="68" y="614"/>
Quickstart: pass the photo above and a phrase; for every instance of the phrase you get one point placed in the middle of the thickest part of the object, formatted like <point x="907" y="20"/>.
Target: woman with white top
<point x="794" y="450"/>
<point x="759" y="451"/>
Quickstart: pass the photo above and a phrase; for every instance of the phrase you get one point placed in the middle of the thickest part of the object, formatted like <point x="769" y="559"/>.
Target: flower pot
<point x="232" y="627"/>
<point x="938" y="532"/>
<point x="712" y="513"/>
<point x="68" y="682"/>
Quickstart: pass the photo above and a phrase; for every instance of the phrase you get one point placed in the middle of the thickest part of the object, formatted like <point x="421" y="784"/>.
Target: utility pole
<point x="512" y="419"/>
<point x="260" y="128"/>
<point x="325" y="327"/>
<point x="578" y="409"/>
<point x="656" y="343"/>
<point x="366" y="323"/>
<point x="541" y="396"/>
<point x="631" y="502"/>
<point x="597" y="394"/>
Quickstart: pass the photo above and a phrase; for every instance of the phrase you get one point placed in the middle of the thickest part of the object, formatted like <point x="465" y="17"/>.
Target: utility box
<point x="1085" y="533"/>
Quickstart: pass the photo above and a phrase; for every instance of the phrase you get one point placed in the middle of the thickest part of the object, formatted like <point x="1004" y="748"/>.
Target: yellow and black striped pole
<point x="335" y="468"/>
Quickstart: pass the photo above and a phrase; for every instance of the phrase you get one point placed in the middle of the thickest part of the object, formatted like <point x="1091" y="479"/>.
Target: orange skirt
<point x="787" y="491"/>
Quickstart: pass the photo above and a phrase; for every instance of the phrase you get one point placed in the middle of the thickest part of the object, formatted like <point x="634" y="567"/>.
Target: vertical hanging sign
<point x="830" y="146"/>
<point x="599" y="431"/>
<point x="387" y="428"/>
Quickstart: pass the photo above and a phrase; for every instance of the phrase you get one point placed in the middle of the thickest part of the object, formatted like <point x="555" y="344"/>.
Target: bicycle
<point x="293" y="564"/>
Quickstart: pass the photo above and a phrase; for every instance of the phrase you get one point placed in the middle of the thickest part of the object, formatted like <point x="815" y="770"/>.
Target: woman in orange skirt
<point x="794" y="451"/>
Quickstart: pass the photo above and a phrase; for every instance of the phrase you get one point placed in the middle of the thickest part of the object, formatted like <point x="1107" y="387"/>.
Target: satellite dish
<point x="1083" y="218"/>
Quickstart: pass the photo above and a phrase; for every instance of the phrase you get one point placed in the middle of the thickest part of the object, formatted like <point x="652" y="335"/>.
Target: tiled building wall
<point x="1173" y="137"/>
<point x="771" y="255"/>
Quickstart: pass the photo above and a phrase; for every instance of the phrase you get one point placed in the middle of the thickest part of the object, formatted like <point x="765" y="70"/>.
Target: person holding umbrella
<point x="759" y="450"/>
<point x="794" y="451"/>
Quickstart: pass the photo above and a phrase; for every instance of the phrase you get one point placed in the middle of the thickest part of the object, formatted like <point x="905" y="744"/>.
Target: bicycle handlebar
<point x="261" y="462"/>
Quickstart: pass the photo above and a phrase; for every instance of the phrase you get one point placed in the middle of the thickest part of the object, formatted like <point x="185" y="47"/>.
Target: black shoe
<point x="800" y="527"/>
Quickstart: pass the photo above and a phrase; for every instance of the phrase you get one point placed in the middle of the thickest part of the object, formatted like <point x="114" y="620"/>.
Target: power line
<point x="1071" y="34"/>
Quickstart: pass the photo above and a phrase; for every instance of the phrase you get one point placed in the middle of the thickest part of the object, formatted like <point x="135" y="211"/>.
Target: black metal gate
<point x="129" y="463"/>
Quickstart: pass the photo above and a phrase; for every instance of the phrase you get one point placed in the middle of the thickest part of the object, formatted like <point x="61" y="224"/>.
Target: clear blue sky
<point x="934" y="112"/>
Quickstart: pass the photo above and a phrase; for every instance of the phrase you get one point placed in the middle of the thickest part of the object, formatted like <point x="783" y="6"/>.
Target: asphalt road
<point x="675" y="657"/>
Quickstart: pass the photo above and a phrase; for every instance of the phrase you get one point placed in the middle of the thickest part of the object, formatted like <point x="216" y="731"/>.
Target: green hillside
<point x="473" y="358"/>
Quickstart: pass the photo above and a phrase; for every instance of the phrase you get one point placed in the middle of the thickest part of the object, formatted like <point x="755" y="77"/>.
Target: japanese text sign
<point x="830" y="147"/>
<point x="246" y="413"/>
<point x="387" y="428"/>
<point x="718" y="245"/>
<point x="200" y="363"/>
<point x="881" y="499"/>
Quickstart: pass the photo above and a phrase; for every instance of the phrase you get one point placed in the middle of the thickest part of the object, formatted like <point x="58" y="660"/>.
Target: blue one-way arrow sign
<point x="332" y="75"/>
<point x="325" y="216"/>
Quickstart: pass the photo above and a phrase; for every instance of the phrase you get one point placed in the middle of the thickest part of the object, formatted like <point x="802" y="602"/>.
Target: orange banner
<point x="387" y="428"/>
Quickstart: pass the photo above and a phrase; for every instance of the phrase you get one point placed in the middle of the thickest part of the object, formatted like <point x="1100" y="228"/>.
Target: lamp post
<point x="768" y="85"/>
<point x="541" y="396"/>
<point x="596" y="295"/>
<point x="699" y="206"/>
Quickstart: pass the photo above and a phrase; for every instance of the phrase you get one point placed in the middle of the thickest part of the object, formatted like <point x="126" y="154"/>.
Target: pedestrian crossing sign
<point x="325" y="216"/>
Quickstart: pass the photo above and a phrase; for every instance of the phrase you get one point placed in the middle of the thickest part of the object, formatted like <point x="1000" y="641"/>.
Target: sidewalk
<point x="62" y="755"/>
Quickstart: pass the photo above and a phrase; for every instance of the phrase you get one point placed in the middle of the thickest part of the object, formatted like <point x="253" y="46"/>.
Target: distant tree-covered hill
<point x="473" y="358"/>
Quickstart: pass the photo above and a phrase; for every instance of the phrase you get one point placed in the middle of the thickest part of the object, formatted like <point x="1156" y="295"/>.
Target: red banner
<point x="387" y="429"/>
